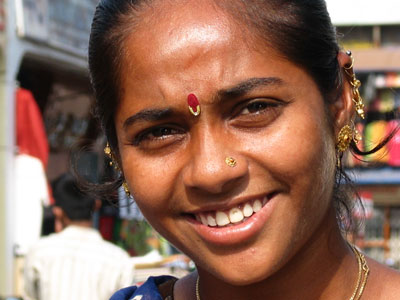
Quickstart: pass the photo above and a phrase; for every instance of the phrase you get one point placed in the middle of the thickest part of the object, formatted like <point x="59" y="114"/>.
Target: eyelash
<point x="256" y="107"/>
<point x="159" y="133"/>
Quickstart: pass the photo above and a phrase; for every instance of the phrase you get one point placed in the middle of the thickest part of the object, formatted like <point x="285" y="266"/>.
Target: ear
<point x="59" y="216"/>
<point x="58" y="212"/>
<point x="343" y="108"/>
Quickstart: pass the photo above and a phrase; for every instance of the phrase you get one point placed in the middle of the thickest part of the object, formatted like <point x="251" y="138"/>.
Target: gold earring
<point x="126" y="189"/>
<point x="230" y="161"/>
<point x="108" y="152"/>
<point x="355" y="83"/>
<point x="344" y="138"/>
<point x="346" y="135"/>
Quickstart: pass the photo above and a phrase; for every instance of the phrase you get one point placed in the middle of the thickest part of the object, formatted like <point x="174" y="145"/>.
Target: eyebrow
<point x="148" y="115"/>
<point x="248" y="85"/>
<point x="151" y="115"/>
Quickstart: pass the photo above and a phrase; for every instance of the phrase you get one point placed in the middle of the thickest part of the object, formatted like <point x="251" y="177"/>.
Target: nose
<point x="214" y="166"/>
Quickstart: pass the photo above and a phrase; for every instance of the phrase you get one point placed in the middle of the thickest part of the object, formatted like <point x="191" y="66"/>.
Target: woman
<point x="228" y="120"/>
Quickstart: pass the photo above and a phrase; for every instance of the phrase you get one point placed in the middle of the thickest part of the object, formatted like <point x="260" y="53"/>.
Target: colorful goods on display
<point x="383" y="118"/>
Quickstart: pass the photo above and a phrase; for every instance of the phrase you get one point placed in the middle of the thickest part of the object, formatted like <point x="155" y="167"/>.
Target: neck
<point x="324" y="268"/>
<point x="82" y="223"/>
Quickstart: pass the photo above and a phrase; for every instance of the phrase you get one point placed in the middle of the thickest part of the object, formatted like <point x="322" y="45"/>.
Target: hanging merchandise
<point x="388" y="80"/>
<point x="30" y="184"/>
<point x="380" y="81"/>
<point x="31" y="188"/>
<point x="397" y="101"/>
<point x="394" y="144"/>
<point x="387" y="103"/>
<point x="375" y="132"/>
<point x="392" y="79"/>
<point x="31" y="134"/>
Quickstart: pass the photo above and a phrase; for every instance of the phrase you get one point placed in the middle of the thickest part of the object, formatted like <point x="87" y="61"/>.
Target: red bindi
<point x="194" y="105"/>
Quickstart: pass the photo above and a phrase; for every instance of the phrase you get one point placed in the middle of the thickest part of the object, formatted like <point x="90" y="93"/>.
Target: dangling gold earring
<point x="108" y="152"/>
<point x="344" y="139"/>
<point x="355" y="83"/>
<point x="110" y="155"/>
<point x="346" y="135"/>
<point x="126" y="189"/>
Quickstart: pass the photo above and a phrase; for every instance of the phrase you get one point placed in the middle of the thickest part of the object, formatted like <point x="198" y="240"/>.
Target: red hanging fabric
<point x="31" y="133"/>
<point x="30" y="130"/>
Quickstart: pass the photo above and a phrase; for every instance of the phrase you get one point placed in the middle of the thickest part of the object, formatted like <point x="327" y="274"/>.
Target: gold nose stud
<point x="230" y="161"/>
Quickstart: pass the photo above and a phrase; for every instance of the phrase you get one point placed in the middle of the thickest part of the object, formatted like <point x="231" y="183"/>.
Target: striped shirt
<point x="76" y="264"/>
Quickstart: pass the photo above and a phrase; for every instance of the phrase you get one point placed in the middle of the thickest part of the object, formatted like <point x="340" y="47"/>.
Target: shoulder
<point x="43" y="243"/>
<point x="40" y="253"/>
<point x="148" y="290"/>
<point x="383" y="282"/>
<point x="90" y="240"/>
<point x="113" y="249"/>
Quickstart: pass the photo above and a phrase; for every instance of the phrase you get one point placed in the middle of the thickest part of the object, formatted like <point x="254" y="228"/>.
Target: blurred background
<point x="45" y="102"/>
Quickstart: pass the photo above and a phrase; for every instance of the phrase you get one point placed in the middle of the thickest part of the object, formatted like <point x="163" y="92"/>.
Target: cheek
<point x="308" y="153"/>
<point x="307" y="168"/>
<point x="151" y="181"/>
<point x="299" y="152"/>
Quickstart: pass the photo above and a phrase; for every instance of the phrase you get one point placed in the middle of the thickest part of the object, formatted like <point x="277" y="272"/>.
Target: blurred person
<point x="75" y="262"/>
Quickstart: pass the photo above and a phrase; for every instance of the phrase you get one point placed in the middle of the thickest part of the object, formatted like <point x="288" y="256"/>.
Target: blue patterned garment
<point x="147" y="291"/>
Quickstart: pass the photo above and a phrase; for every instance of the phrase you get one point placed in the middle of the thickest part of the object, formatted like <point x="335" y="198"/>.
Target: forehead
<point x="171" y="37"/>
<point x="171" y="27"/>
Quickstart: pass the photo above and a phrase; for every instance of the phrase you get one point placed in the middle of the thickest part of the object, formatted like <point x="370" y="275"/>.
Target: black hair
<point x="301" y="30"/>
<point x="77" y="205"/>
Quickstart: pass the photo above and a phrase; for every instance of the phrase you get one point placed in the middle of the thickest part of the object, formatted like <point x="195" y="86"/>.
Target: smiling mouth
<point x="234" y="215"/>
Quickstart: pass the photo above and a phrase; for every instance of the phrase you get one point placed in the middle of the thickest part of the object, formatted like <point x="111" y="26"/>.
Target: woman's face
<point x="256" y="107"/>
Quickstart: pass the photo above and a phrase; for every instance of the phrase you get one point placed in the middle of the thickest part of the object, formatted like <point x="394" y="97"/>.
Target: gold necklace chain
<point x="197" y="287"/>
<point x="363" y="272"/>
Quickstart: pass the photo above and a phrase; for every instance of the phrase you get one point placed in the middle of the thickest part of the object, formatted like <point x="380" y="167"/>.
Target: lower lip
<point x="235" y="234"/>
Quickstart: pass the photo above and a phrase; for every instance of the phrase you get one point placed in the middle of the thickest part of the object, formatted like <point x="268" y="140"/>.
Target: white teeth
<point x="247" y="210"/>
<point x="257" y="205"/>
<point x="211" y="221"/>
<point x="265" y="200"/>
<point x="203" y="220"/>
<point x="222" y="218"/>
<point x="235" y="215"/>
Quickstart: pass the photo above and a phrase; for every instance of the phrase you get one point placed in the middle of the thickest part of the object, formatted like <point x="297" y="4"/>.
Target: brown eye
<point x="258" y="107"/>
<point x="257" y="113"/>
<point x="157" y="135"/>
<point x="255" y="107"/>
<point x="161" y="132"/>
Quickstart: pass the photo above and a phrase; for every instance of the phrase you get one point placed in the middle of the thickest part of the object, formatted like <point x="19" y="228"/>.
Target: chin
<point x="243" y="279"/>
<point x="247" y="269"/>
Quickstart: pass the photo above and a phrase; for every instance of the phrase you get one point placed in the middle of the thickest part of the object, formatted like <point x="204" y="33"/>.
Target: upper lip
<point x="226" y="205"/>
